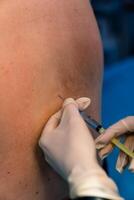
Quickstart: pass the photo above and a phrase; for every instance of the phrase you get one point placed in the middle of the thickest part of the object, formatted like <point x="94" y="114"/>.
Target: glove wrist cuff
<point x="93" y="183"/>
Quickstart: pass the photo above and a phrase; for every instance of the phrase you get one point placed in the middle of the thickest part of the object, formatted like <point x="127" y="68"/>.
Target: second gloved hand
<point x="123" y="127"/>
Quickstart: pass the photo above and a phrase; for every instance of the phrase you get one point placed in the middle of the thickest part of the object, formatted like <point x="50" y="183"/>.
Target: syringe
<point x="99" y="128"/>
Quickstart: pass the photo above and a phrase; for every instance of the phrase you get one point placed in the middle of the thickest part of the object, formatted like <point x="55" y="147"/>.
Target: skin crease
<point x="47" y="48"/>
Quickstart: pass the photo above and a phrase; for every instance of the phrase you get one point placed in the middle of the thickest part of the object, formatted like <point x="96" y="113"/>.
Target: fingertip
<point x="83" y="103"/>
<point x="69" y="101"/>
<point x="104" y="152"/>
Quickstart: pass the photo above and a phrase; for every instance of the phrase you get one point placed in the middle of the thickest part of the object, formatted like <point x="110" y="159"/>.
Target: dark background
<point x="116" y="22"/>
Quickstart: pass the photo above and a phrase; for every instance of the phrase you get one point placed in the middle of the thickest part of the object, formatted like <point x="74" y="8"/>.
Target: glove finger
<point x="83" y="103"/>
<point x="53" y="122"/>
<point x="129" y="142"/>
<point x="50" y="126"/>
<point x="71" y="109"/>
<point x="129" y="123"/>
<point x="122" y="162"/>
<point x="103" y="153"/>
<point x="123" y="159"/>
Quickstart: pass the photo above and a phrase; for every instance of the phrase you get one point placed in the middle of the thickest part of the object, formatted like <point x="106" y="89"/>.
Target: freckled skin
<point x="47" y="48"/>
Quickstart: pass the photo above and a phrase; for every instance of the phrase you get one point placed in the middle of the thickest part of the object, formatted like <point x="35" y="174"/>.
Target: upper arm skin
<point x="48" y="48"/>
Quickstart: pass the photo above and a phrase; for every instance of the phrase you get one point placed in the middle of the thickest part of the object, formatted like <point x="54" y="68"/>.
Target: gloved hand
<point x="70" y="149"/>
<point x="122" y="127"/>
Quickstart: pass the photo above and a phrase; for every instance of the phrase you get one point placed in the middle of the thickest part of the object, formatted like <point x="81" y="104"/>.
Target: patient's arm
<point x="47" y="48"/>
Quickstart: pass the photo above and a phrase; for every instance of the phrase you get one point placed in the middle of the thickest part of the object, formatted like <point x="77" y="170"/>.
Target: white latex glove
<point x="70" y="149"/>
<point x="122" y="127"/>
